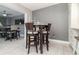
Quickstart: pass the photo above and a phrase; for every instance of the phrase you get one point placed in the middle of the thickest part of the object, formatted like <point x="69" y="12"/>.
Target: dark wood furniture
<point x="12" y="34"/>
<point x="9" y="34"/>
<point x="3" y="31"/>
<point x="41" y="34"/>
<point x="31" y="33"/>
<point x="45" y="33"/>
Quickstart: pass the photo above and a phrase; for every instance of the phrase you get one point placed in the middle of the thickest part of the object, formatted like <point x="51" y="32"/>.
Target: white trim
<point x="59" y="41"/>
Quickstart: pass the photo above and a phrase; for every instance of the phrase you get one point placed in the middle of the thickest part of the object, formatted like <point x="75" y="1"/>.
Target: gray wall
<point x="57" y="15"/>
<point x="8" y="21"/>
<point x="2" y="20"/>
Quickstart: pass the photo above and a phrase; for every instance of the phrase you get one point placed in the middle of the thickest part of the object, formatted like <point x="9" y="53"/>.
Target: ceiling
<point x="36" y="6"/>
<point x="9" y="11"/>
<point x="31" y="6"/>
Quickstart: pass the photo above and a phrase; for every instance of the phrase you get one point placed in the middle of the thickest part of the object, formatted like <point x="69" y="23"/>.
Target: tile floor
<point x="17" y="47"/>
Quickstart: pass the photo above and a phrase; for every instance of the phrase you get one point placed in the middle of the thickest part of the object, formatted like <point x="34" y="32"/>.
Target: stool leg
<point x="29" y="45"/>
<point x="36" y="43"/>
<point x="47" y="42"/>
<point x="43" y="39"/>
<point x="38" y="39"/>
<point x="26" y="41"/>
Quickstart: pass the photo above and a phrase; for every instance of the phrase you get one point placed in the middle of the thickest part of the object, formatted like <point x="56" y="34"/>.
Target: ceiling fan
<point x="5" y="14"/>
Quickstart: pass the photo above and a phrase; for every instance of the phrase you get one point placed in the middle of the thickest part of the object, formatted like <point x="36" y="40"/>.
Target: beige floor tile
<point x="17" y="47"/>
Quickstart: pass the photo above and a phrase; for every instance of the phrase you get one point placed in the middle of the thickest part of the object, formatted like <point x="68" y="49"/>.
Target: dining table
<point x="41" y="25"/>
<point x="11" y="34"/>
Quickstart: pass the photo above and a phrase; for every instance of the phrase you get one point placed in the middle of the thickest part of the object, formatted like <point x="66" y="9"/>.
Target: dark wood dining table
<point x="11" y="34"/>
<point x="41" y="35"/>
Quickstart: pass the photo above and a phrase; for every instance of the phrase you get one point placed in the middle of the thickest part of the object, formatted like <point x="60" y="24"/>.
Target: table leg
<point x="41" y="43"/>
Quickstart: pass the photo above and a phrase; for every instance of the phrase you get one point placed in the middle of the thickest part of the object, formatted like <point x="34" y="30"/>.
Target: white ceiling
<point x="9" y="11"/>
<point x="31" y="6"/>
<point x="35" y="6"/>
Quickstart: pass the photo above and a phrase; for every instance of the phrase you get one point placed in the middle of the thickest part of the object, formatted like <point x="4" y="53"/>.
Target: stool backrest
<point x="29" y="26"/>
<point x="49" y="26"/>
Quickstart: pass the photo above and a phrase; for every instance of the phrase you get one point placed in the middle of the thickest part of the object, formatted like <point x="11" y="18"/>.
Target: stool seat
<point x="32" y="32"/>
<point x="45" y="32"/>
<point x="32" y="37"/>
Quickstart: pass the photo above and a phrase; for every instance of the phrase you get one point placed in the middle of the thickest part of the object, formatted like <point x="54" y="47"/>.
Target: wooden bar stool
<point x="45" y="33"/>
<point x="31" y="36"/>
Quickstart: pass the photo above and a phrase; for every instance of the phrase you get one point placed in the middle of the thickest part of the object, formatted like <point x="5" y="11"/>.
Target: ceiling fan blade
<point x="4" y="13"/>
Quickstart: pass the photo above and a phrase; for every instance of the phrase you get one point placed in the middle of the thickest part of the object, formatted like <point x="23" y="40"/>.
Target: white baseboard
<point x="60" y="41"/>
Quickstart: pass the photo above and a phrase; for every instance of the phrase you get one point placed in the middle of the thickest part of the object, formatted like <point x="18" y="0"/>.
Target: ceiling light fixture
<point x="4" y="14"/>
